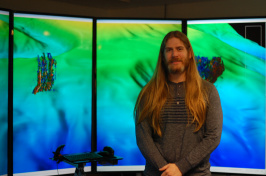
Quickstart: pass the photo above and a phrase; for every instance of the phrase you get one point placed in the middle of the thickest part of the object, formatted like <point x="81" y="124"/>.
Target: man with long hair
<point x="178" y="114"/>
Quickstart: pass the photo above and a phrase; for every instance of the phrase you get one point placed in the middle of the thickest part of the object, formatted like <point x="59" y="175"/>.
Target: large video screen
<point x="4" y="39"/>
<point x="127" y="52"/>
<point x="240" y="45"/>
<point x="52" y="91"/>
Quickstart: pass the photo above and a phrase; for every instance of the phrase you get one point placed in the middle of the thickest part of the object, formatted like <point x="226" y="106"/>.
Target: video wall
<point x="241" y="46"/>
<point x="52" y="87"/>
<point x="127" y="53"/>
<point x="230" y="54"/>
<point x="4" y="39"/>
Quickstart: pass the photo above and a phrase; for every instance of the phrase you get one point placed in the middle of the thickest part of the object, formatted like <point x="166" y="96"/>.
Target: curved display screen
<point x="52" y="90"/>
<point x="240" y="43"/>
<point x="4" y="38"/>
<point x="127" y="52"/>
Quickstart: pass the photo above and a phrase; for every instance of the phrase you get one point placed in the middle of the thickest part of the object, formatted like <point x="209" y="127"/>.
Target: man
<point x="178" y="114"/>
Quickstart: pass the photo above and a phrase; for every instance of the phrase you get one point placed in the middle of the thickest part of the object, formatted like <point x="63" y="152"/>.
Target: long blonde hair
<point x="153" y="96"/>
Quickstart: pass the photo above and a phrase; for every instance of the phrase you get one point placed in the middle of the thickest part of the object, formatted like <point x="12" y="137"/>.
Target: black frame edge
<point x="184" y="26"/>
<point x="10" y="95"/>
<point x="94" y="95"/>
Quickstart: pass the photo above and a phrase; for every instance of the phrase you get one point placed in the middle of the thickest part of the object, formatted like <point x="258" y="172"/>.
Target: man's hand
<point x="170" y="170"/>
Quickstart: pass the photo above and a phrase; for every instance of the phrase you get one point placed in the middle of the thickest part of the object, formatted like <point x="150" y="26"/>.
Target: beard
<point x="177" y="69"/>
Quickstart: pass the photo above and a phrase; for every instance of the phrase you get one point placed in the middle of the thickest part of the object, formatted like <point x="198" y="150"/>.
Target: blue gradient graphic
<point x="4" y="37"/>
<point x="242" y="92"/>
<point x="44" y="121"/>
<point x="126" y="60"/>
<point x="126" y="56"/>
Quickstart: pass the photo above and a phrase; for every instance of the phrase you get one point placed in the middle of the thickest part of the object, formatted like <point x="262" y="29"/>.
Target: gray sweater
<point x="179" y="144"/>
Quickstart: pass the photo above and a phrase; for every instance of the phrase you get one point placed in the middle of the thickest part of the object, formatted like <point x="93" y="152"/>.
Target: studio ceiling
<point x="118" y="4"/>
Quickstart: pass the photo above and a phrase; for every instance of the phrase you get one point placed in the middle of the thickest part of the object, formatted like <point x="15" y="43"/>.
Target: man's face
<point x="176" y="56"/>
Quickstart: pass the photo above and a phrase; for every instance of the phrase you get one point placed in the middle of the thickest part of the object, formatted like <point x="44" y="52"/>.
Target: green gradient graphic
<point x="4" y="38"/>
<point x="242" y="92"/>
<point x="44" y="121"/>
<point x="126" y="57"/>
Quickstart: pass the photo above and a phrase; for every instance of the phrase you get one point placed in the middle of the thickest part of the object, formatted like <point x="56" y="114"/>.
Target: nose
<point x="174" y="53"/>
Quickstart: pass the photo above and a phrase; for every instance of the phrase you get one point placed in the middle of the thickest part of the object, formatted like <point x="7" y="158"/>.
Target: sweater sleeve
<point x="147" y="146"/>
<point x="212" y="135"/>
